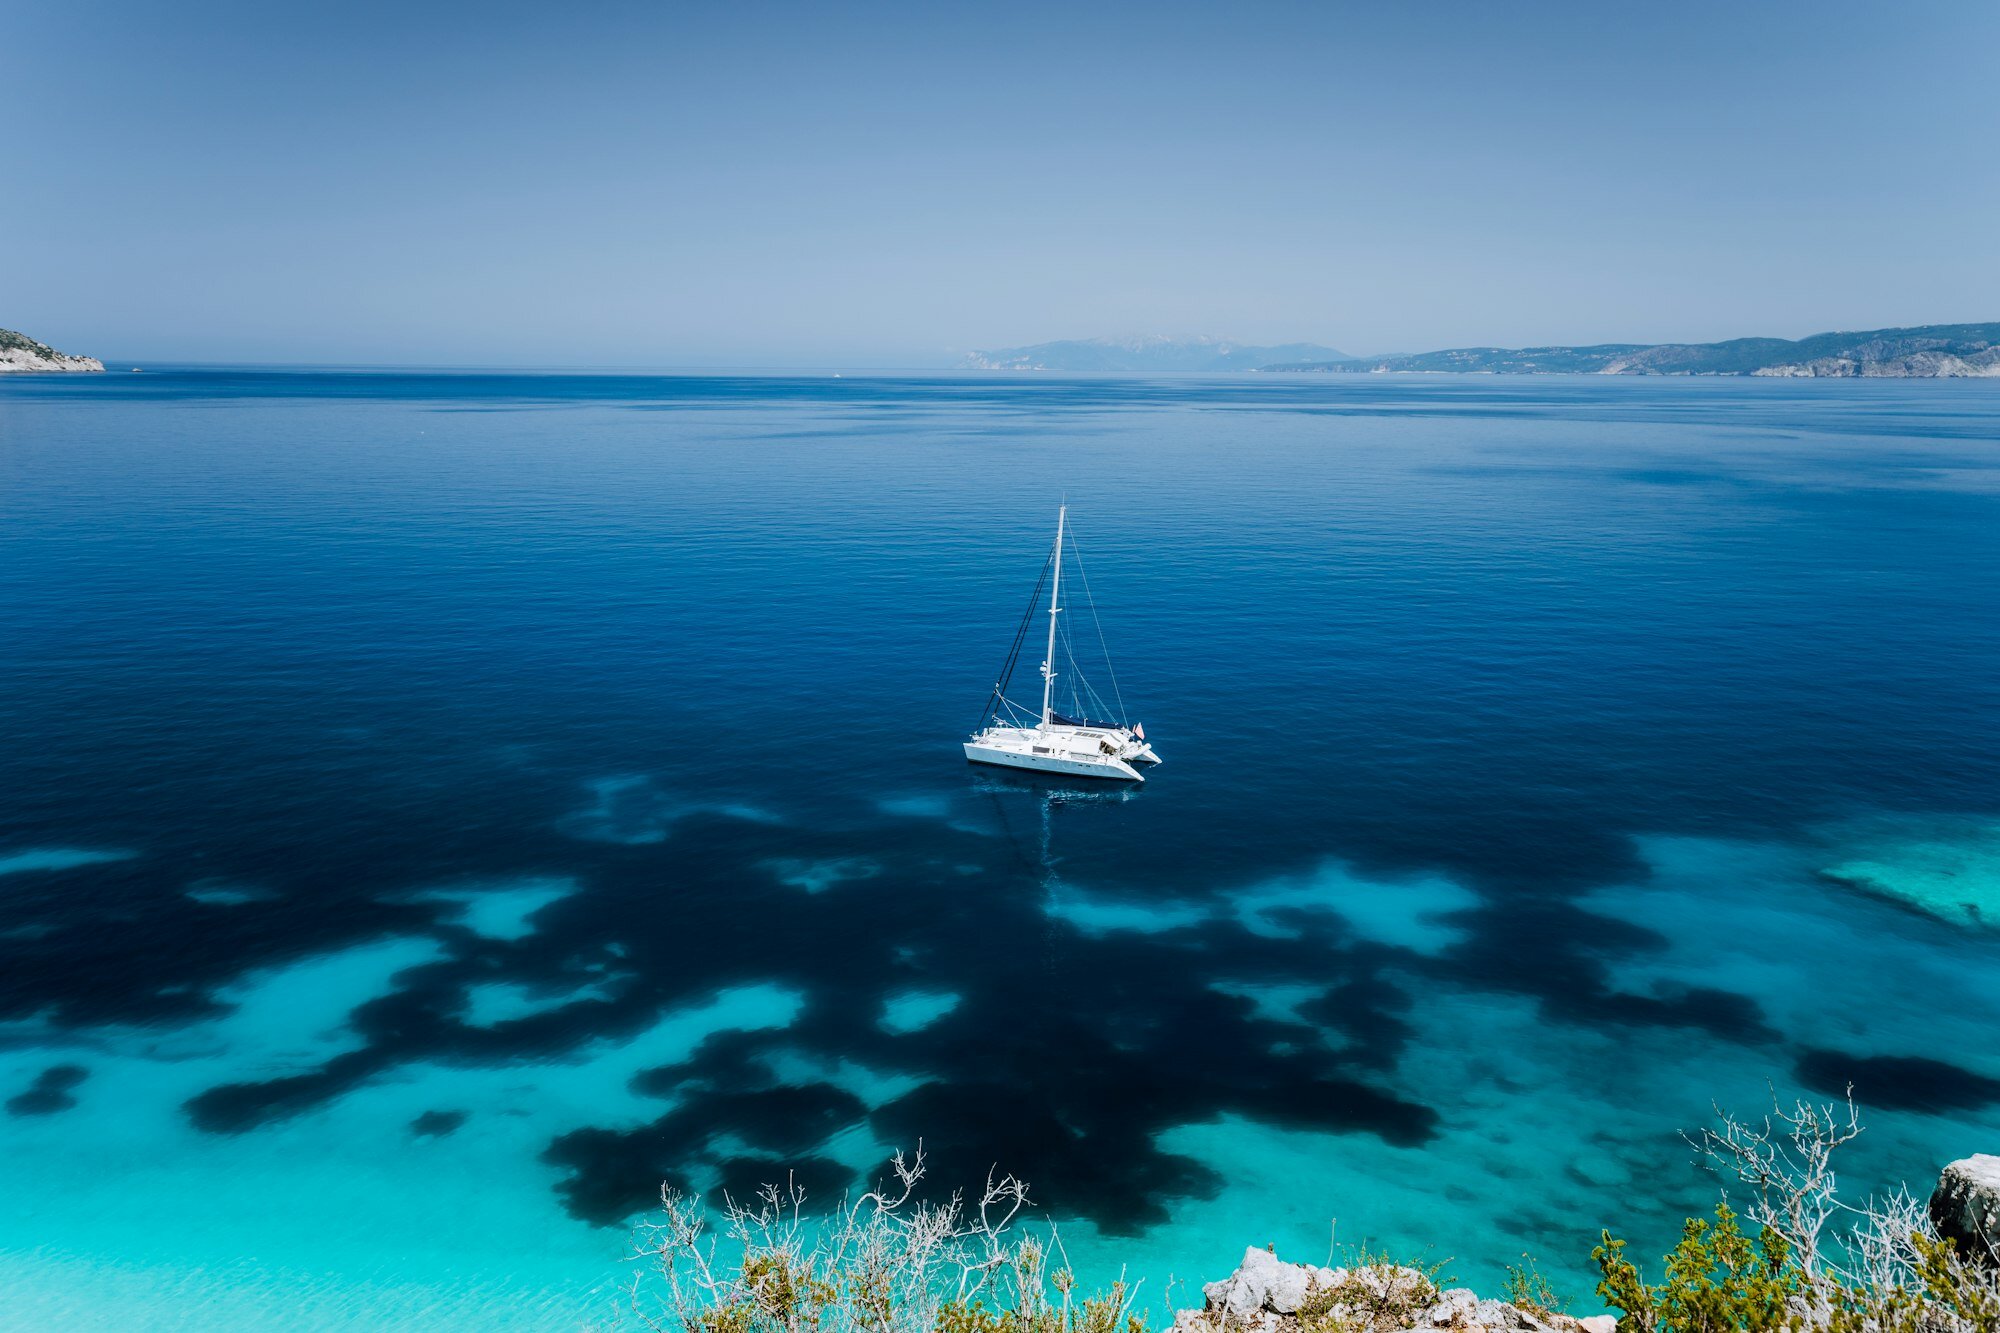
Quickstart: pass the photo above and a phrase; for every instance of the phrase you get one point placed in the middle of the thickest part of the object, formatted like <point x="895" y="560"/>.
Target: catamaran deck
<point x="1071" y="750"/>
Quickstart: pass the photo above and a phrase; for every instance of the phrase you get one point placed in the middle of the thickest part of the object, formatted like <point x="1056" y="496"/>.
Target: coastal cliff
<point x="19" y="352"/>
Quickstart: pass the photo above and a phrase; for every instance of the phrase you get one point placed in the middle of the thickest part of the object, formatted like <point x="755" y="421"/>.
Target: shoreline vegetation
<point x="1797" y="1259"/>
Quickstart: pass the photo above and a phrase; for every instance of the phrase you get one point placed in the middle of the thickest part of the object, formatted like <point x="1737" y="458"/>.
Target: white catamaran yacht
<point x="1012" y="735"/>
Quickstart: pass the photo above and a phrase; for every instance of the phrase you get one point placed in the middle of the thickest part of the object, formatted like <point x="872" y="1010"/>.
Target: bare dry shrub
<point x="885" y="1262"/>
<point x="1818" y="1263"/>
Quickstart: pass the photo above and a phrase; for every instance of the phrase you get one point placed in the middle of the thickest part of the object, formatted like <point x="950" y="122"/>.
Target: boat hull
<point x="1106" y="769"/>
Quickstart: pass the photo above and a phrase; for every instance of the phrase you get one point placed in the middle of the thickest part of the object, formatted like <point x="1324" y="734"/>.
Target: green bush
<point x="1818" y="1264"/>
<point x="1717" y="1280"/>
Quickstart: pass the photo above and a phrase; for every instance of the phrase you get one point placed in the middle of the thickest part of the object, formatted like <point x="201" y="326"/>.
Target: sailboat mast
<point x="1055" y="592"/>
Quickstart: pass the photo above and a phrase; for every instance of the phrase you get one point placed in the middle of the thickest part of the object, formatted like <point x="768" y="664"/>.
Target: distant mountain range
<point x="1931" y="351"/>
<point x="1150" y="354"/>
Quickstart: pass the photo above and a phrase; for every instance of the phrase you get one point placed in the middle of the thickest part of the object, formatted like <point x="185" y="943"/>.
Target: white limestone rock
<point x="1453" y="1309"/>
<point x="1261" y="1282"/>
<point x="1965" y="1206"/>
<point x="1265" y="1294"/>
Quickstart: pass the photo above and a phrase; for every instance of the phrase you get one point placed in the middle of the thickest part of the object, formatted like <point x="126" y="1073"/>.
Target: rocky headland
<point x="19" y="352"/>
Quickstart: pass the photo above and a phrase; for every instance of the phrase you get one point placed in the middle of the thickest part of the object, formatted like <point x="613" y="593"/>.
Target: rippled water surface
<point x="434" y="809"/>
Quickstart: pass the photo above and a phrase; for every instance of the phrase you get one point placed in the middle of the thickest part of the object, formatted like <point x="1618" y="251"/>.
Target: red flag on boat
<point x="1139" y="730"/>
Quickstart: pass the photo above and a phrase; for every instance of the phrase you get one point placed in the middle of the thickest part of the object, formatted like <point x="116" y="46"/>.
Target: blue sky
<point x="774" y="184"/>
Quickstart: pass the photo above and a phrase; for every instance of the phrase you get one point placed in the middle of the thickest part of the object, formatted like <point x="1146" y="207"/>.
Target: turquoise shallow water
<point x="438" y="808"/>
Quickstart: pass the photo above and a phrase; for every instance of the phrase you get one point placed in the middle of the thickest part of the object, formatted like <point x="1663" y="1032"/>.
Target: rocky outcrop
<point x="1267" y="1295"/>
<point x="19" y="352"/>
<point x="1917" y="365"/>
<point x="1965" y="1207"/>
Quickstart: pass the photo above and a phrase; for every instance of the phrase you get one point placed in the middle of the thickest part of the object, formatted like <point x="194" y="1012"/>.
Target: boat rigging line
<point x="999" y="695"/>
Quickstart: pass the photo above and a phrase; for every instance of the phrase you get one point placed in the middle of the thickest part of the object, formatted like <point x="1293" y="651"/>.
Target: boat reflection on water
<point x="1053" y="792"/>
<point x="1025" y="806"/>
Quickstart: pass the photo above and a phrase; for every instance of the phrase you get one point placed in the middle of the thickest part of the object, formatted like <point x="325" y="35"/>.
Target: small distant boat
<point x="1014" y="736"/>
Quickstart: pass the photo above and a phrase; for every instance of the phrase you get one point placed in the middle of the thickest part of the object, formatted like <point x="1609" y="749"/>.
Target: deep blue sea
<point x="437" y="808"/>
